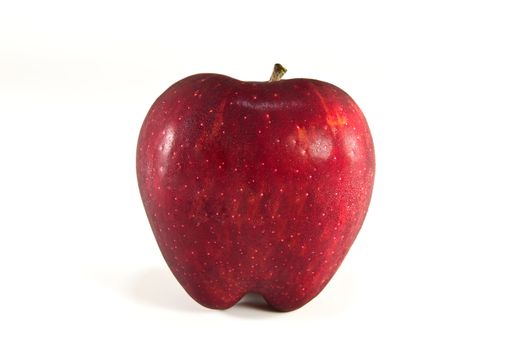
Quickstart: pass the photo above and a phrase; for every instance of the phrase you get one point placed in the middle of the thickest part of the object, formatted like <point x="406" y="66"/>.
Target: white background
<point x="439" y="263"/>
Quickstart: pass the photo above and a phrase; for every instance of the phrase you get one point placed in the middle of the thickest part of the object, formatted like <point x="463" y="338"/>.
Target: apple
<point x="255" y="187"/>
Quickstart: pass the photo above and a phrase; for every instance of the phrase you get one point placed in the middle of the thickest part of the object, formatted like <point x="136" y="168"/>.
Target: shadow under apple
<point x="158" y="287"/>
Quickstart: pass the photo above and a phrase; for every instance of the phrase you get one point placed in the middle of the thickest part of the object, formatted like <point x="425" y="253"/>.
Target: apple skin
<point x="254" y="186"/>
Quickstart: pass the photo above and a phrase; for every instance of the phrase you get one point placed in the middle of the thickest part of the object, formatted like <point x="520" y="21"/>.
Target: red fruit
<point x="255" y="186"/>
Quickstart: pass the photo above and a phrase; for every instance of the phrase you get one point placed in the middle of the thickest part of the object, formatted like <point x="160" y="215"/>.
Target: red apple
<point x="255" y="186"/>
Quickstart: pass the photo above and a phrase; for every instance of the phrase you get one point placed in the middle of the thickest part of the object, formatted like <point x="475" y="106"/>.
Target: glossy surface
<point x="254" y="187"/>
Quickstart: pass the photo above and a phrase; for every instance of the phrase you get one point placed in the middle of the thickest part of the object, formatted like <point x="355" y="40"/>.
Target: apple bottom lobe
<point x="275" y="297"/>
<point x="295" y="285"/>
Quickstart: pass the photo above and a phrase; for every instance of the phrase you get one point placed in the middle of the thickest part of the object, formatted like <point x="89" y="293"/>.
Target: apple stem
<point x="278" y="72"/>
